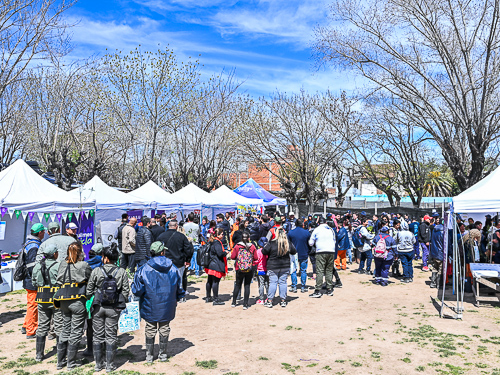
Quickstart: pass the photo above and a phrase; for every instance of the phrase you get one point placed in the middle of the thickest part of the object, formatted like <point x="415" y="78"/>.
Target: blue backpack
<point x="357" y="238"/>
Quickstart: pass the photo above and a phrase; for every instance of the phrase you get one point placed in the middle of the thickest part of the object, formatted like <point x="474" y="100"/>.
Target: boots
<point x="72" y="351"/>
<point x="40" y="348"/>
<point x="110" y="357"/>
<point x="434" y="277"/>
<point x="150" y="349"/>
<point x="162" y="356"/>
<point x="90" y="339"/>
<point x="62" y="348"/>
<point x="99" y="360"/>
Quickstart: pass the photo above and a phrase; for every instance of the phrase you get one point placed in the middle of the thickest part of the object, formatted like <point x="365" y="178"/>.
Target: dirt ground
<point x="363" y="329"/>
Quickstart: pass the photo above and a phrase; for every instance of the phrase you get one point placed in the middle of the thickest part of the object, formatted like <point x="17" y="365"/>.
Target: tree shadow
<point x="11" y="315"/>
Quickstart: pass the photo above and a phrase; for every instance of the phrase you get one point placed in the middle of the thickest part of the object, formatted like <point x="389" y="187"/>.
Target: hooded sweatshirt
<point x="324" y="238"/>
<point x="238" y="247"/>
<point x="404" y="239"/>
<point x="437" y="242"/>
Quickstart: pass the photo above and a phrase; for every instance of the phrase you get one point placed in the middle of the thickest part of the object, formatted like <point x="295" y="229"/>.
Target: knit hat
<point x="97" y="248"/>
<point x="157" y="247"/>
<point x="37" y="228"/>
<point x="262" y="241"/>
<point x="385" y="228"/>
<point x="50" y="249"/>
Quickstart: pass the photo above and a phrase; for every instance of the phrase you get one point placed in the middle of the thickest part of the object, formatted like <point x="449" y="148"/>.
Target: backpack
<point x="21" y="270"/>
<point x="244" y="260"/>
<point x="108" y="291"/>
<point x="203" y="256"/>
<point x="357" y="238"/>
<point x="381" y="248"/>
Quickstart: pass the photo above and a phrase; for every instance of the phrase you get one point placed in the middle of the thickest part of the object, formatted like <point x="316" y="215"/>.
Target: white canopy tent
<point x="155" y="195"/>
<point x="226" y="196"/>
<point x="482" y="198"/>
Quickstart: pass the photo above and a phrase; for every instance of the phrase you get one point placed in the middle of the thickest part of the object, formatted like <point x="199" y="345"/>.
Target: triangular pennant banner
<point x="3" y="211"/>
<point x="31" y="215"/>
<point x="82" y="215"/>
<point x="59" y="217"/>
<point x="70" y="216"/>
<point x="24" y="213"/>
<point x="46" y="217"/>
<point x="52" y="217"/>
<point x="40" y="216"/>
<point x="91" y="212"/>
<point x="11" y="212"/>
<point x="18" y="212"/>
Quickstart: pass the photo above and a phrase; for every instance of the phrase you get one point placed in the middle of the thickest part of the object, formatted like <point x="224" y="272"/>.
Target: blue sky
<point x="266" y="41"/>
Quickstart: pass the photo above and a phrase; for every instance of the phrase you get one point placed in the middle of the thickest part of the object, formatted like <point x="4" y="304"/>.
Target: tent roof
<point x="251" y="189"/>
<point x="191" y="197"/>
<point x="151" y="192"/>
<point x="106" y="197"/>
<point x="226" y="196"/>
<point x="483" y="197"/>
<point x="21" y="188"/>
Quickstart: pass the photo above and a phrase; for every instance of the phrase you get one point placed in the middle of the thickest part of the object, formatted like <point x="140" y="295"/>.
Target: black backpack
<point x="203" y="256"/>
<point x="109" y="288"/>
<point x="21" y="269"/>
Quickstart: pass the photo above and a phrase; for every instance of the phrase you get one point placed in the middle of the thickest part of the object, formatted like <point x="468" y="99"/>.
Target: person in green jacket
<point x="44" y="278"/>
<point x="55" y="238"/>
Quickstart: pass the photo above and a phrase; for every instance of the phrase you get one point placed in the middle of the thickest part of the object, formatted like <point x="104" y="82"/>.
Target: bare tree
<point x="439" y="57"/>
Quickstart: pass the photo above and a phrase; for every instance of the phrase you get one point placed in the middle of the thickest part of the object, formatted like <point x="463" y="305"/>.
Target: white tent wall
<point x="15" y="234"/>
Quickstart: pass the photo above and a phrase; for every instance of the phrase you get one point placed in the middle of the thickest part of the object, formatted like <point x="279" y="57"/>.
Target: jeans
<point x="425" y="254"/>
<point x="277" y="277"/>
<point x="365" y="256"/>
<point x="416" y="248"/>
<point x="325" y="263"/>
<point x="263" y="286"/>
<point x="194" y="264"/>
<point x="407" y="261"/>
<point x="382" y="267"/>
<point x="242" y="278"/>
<point x="349" y="254"/>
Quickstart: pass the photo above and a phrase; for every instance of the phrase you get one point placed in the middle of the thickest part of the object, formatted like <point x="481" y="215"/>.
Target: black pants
<point x="213" y="286"/>
<point x="242" y="277"/>
<point x="185" y="279"/>
<point x="128" y="261"/>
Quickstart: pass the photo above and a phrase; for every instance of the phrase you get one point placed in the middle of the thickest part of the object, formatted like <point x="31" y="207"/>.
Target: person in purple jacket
<point x="383" y="265"/>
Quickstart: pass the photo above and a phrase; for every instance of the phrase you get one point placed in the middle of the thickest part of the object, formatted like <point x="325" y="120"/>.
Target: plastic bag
<point x="130" y="318"/>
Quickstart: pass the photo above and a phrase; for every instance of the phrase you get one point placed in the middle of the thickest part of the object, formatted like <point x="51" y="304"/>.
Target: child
<point x="262" y="276"/>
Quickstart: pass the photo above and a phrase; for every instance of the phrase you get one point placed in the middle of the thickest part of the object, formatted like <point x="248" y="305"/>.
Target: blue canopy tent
<point x="251" y="189"/>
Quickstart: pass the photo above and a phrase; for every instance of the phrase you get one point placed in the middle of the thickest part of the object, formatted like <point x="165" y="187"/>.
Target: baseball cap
<point x="157" y="247"/>
<point x="97" y="248"/>
<point x="363" y="213"/>
<point x="262" y="242"/>
<point x="71" y="226"/>
<point x="53" y="225"/>
<point x="50" y="249"/>
<point x="427" y="217"/>
<point x="328" y="216"/>
<point x="435" y="214"/>
<point x="291" y="213"/>
<point x="37" y="228"/>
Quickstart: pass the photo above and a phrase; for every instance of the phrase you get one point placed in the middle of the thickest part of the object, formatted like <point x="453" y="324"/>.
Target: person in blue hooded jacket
<point x="382" y="265"/>
<point x="436" y="253"/>
<point x="159" y="287"/>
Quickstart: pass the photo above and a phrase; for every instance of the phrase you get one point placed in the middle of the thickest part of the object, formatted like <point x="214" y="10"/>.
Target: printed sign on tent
<point x="85" y="232"/>
<point x="135" y="213"/>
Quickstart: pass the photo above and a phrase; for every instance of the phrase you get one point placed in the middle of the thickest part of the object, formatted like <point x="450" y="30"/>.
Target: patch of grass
<point x="455" y="370"/>
<point x="272" y="325"/>
<point x="20" y="291"/>
<point x="420" y="368"/>
<point x="288" y="328"/>
<point x="376" y="355"/>
<point x="210" y="365"/>
<point x="492" y="340"/>
<point x="434" y="364"/>
<point x="482" y="350"/>
<point x="263" y="359"/>
<point x="288" y="367"/>
<point x="482" y="365"/>
<point x="312" y="365"/>
<point x="406" y="360"/>
<point x="20" y="362"/>
<point x="327" y="368"/>
<point x="356" y="364"/>
<point x="188" y="373"/>
<point x="474" y="327"/>
<point x="339" y="360"/>
<point x="10" y="331"/>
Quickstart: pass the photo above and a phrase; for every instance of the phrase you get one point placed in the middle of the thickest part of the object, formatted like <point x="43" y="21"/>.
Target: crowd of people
<point x="150" y="260"/>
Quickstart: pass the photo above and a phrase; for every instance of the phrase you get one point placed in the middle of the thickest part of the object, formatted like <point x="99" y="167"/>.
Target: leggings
<point x="246" y="278"/>
<point x="213" y="285"/>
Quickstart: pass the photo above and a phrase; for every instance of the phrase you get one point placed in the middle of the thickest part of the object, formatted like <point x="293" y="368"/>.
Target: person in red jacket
<point x="245" y="255"/>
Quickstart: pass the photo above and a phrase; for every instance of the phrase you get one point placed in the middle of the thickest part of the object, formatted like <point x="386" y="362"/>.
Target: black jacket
<point x="424" y="233"/>
<point x="119" y="234"/>
<point x="217" y="255"/>
<point x="143" y="241"/>
<point x="263" y="229"/>
<point x="237" y="236"/>
<point x="156" y="230"/>
<point x="254" y="229"/>
<point x="274" y="261"/>
<point x="226" y="227"/>
<point x="178" y="248"/>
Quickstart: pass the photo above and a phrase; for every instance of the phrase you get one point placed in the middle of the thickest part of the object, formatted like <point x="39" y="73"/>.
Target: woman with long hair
<point x="279" y="250"/>
<point x="217" y="269"/>
<point x="72" y="278"/>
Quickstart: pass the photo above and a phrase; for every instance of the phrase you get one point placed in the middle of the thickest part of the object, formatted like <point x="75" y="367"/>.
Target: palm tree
<point x="438" y="184"/>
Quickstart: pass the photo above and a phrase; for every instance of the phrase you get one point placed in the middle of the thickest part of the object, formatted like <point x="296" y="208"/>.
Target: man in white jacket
<point x="366" y="251"/>
<point x="323" y="237"/>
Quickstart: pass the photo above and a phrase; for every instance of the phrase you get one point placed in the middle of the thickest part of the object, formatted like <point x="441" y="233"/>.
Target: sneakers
<point x="369" y="272"/>
<point x="316" y="294"/>
<point x="245" y="307"/>
<point x="283" y="303"/>
<point x="209" y="300"/>
<point x="233" y="305"/>
<point x="218" y="302"/>
<point x="303" y="290"/>
<point x="182" y="300"/>
<point x="329" y="292"/>
<point x="410" y="280"/>
<point x="426" y="269"/>
<point x="293" y="289"/>
<point x="268" y="304"/>
<point x="260" y="302"/>
<point x="338" y="284"/>
<point x="384" y="283"/>
<point x="360" y="271"/>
